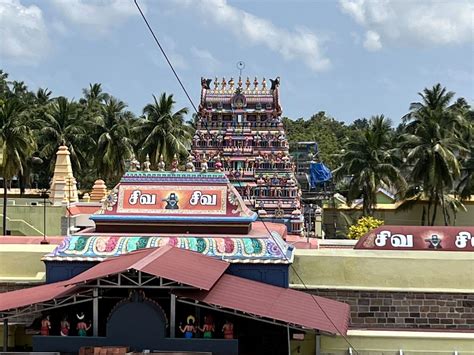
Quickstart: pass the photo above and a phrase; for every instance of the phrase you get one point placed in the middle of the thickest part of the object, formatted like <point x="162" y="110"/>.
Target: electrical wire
<point x="238" y="181"/>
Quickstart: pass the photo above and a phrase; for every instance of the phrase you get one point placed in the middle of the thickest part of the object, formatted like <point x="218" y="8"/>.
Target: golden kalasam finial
<point x="264" y="84"/>
<point x="216" y="83"/>
<point x="223" y="84"/>
<point x="247" y="84"/>
<point x="239" y="83"/>
<point x="231" y="84"/>
<point x="255" y="83"/>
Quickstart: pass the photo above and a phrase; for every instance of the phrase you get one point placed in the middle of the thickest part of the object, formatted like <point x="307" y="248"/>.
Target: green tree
<point x="64" y="123"/>
<point x="93" y="97"/>
<point x="432" y="142"/>
<point x="114" y="146"/>
<point x="329" y="133"/>
<point x="162" y="131"/>
<point x="367" y="164"/>
<point x="17" y="145"/>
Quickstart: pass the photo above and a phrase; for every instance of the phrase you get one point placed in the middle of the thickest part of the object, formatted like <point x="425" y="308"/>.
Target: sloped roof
<point x="216" y="288"/>
<point x="183" y="266"/>
<point x="272" y="302"/>
<point x="32" y="295"/>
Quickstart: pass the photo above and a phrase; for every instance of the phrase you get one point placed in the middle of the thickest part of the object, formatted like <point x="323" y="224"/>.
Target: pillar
<point x="5" y="335"/>
<point x="289" y="339"/>
<point x="318" y="343"/>
<point x="318" y="222"/>
<point x="95" y="312"/>
<point x="173" y="316"/>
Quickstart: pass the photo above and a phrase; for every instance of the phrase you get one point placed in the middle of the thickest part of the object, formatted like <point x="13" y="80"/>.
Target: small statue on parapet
<point x="146" y="163"/>
<point x="204" y="166"/>
<point x="175" y="164"/>
<point x="161" y="164"/>
<point x="134" y="164"/>
<point x="189" y="165"/>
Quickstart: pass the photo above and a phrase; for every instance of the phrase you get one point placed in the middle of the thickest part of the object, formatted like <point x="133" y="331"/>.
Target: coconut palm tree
<point x="368" y="165"/>
<point x="465" y="186"/>
<point x="43" y="96"/>
<point x="162" y="131"/>
<point x="432" y="142"/>
<point x="93" y="97"/>
<point x="16" y="144"/>
<point x="114" y="146"/>
<point x="62" y="124"/>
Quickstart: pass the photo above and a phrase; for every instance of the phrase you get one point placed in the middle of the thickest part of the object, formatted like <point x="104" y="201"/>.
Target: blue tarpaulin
<point x="319" y="173"/>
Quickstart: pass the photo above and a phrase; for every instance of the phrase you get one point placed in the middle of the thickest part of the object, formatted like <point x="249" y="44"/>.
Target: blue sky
<point x="350" y="58"/>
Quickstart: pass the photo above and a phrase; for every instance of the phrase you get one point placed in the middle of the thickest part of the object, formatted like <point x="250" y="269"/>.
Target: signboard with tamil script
<point x="146" y="199"/>
<point x="418" y="238"/>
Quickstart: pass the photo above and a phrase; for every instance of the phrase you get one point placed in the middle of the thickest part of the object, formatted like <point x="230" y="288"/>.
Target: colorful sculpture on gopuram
<point x="239" y="130"/>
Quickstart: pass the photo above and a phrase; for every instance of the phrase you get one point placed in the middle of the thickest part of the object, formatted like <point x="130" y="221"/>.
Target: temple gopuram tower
<point x="239" y="130"/>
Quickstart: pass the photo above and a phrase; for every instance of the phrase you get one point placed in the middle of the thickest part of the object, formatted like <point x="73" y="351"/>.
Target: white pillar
<point x="289" y="339"/>
<point x="173" y="316"/>
<point x="95" y="312"/>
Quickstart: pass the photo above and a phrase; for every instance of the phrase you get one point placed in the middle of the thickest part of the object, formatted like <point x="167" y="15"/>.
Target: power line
<point x="240" y="185"/>
<point x="166" y="57"/>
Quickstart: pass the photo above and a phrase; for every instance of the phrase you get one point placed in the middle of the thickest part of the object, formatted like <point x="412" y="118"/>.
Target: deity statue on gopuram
<point x="239" y="130"/>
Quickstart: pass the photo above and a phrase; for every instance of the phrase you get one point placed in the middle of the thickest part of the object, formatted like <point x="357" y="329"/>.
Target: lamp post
<point x="44" y="195"/>
<point x="308" y="213"/>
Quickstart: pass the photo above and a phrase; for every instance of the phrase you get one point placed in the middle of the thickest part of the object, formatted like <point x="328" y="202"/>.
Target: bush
<point x="363" y="226"/>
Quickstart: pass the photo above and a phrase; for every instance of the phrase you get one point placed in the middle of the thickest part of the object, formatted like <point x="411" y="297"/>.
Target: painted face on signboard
<point x="171" y="202"/>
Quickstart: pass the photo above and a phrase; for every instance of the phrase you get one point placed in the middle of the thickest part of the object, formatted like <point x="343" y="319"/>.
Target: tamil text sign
<point x="142" y="199"/>
<point x="418" y="238"/>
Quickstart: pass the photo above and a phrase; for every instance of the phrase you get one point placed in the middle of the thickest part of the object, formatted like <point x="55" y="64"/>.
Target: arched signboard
<point x="418" y="238"/>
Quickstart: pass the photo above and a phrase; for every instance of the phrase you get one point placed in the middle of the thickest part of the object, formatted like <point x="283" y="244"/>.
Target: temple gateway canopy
<point x="211" y="287"/>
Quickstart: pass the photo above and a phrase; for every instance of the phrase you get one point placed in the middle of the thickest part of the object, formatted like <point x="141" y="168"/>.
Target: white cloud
<point x="169" y="45"/>
<point x="299" y="44"/>
<point x="23" y="34"/>
<point x="206" y="57"/>
<point x="372" y="41"/>
<point x="434" y="23"/>
<point x="97" y="16"/>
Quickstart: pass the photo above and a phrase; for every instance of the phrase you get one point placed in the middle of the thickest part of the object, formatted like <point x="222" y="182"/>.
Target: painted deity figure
<point x="189" y="329"/>
<point x="45" y="326"/>
<point x="175" y="163"/>
<point x="82" y="327"/>
<point x="218" y="164"/>
<point x="228" y="330"/>
<point x="208" y="327"/>
<point x="161" y="164"/>
<point x="204" y="166"/>
<point x="65" y="326"/>
<point x="147" y="164"/>
<point x="134" y="164"/>
<point x="189" y="164"/>
<point x="171" y="202"/>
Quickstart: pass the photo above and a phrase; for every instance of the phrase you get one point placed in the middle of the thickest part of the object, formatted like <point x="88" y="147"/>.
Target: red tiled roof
<point x="180" y="265"/>
<point x="286" y="305"/>
<point x="32" y="295"/>
<point x="76" y="210"/>
<point x="205" y="273"/>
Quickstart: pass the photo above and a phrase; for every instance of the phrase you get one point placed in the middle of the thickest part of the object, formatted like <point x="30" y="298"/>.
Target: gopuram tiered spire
<point x="239" y="130"/>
